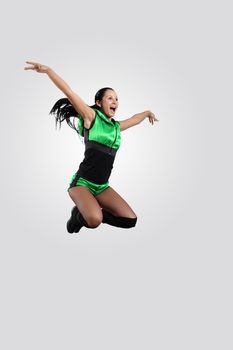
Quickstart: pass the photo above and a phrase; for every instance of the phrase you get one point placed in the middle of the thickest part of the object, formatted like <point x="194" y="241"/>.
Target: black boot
<point x="118" y="221"/>
<point x="76" y="221"/>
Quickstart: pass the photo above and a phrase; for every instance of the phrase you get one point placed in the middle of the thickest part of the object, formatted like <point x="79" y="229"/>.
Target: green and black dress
<point x="102" y="140"/>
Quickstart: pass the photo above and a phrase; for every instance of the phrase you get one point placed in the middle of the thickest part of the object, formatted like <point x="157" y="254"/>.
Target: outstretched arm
<point x="80" y="106"/>
<point x="137" y="119"/>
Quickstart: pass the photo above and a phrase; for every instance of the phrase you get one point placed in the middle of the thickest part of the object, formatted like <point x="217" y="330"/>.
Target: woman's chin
<point x="110" y="115"/>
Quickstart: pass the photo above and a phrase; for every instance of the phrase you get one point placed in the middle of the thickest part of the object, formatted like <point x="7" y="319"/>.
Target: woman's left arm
<point x="137" y="119"/>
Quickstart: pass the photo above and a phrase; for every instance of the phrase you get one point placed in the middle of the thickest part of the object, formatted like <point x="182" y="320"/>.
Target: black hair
<point x="64" y="110"/>
<point x="99" y="95"/>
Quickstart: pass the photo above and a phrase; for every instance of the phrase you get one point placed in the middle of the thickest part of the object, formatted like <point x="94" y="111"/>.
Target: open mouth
<point x="113" y="109"/>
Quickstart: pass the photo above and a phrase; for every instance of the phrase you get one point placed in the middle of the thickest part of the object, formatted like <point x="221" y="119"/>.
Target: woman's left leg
<point x="115" y="209"/>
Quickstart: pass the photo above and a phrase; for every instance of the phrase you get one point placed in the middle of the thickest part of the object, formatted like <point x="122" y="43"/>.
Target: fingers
<point x="30" y="62"/>
<point x="34" y="65"/>
<point x="27" y="68"/>
<point x="152" y="119"/>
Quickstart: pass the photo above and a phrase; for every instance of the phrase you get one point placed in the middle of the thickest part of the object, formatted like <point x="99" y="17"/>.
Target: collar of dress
<point x="103" y="116"/>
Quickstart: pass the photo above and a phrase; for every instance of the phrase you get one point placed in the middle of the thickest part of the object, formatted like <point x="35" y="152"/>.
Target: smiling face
<point x="108" y="103"/>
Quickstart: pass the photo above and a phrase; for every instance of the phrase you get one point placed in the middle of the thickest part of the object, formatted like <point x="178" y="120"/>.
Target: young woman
<point x="95" y="201"/>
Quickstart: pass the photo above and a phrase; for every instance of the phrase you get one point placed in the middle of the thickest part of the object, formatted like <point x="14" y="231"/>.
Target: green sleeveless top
<point x="103" y="130"/>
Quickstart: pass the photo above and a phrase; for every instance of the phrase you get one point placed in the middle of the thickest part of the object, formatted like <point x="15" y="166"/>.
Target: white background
<point x="165" y="284"/>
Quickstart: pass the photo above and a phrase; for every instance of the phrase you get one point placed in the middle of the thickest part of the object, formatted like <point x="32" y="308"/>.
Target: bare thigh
<point x="111" y="201"/>
<point x="87" y="205"/>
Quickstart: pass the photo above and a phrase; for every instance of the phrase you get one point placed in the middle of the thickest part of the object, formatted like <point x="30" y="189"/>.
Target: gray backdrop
<point x="167" y="283"/>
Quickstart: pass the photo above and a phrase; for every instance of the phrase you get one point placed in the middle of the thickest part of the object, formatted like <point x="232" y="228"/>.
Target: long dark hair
<point x="64" y="110"/>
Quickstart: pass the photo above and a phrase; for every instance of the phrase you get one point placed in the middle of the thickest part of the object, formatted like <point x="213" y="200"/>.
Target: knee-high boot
<point x="118" y="221"/>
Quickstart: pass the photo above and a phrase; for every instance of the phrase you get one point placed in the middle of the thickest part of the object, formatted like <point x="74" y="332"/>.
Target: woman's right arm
<point x="80" y="106"/>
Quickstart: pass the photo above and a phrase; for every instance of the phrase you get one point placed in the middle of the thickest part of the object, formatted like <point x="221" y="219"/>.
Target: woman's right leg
<point x="87" y="205"/>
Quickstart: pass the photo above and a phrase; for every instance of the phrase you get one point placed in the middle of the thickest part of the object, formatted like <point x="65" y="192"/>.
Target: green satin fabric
<point x="95" y="189"/>
<point x="103" y="130"/>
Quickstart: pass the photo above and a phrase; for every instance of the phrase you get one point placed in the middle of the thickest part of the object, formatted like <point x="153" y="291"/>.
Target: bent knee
<point x="132" y="221"/>
<point x="94" y="221"/>
<point x="128" y="222"/>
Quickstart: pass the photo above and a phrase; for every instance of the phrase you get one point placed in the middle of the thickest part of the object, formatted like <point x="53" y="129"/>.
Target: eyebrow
<point x="112" y="96"/>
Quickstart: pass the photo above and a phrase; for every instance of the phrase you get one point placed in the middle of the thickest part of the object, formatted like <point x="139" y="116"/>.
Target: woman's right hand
<point x="38" y="67"/>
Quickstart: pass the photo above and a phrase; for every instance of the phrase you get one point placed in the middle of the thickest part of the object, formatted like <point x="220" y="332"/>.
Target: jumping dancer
<point x="95" y="201"/>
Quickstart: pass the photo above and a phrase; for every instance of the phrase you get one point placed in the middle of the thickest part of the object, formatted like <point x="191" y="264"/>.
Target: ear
<point x="98" y="103"/>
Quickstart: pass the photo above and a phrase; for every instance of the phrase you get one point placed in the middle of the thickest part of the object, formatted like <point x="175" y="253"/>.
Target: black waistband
<point x="100" y="147"/>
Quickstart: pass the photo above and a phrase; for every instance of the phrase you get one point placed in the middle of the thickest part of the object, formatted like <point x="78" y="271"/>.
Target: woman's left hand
<point x="152" y="118"/>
